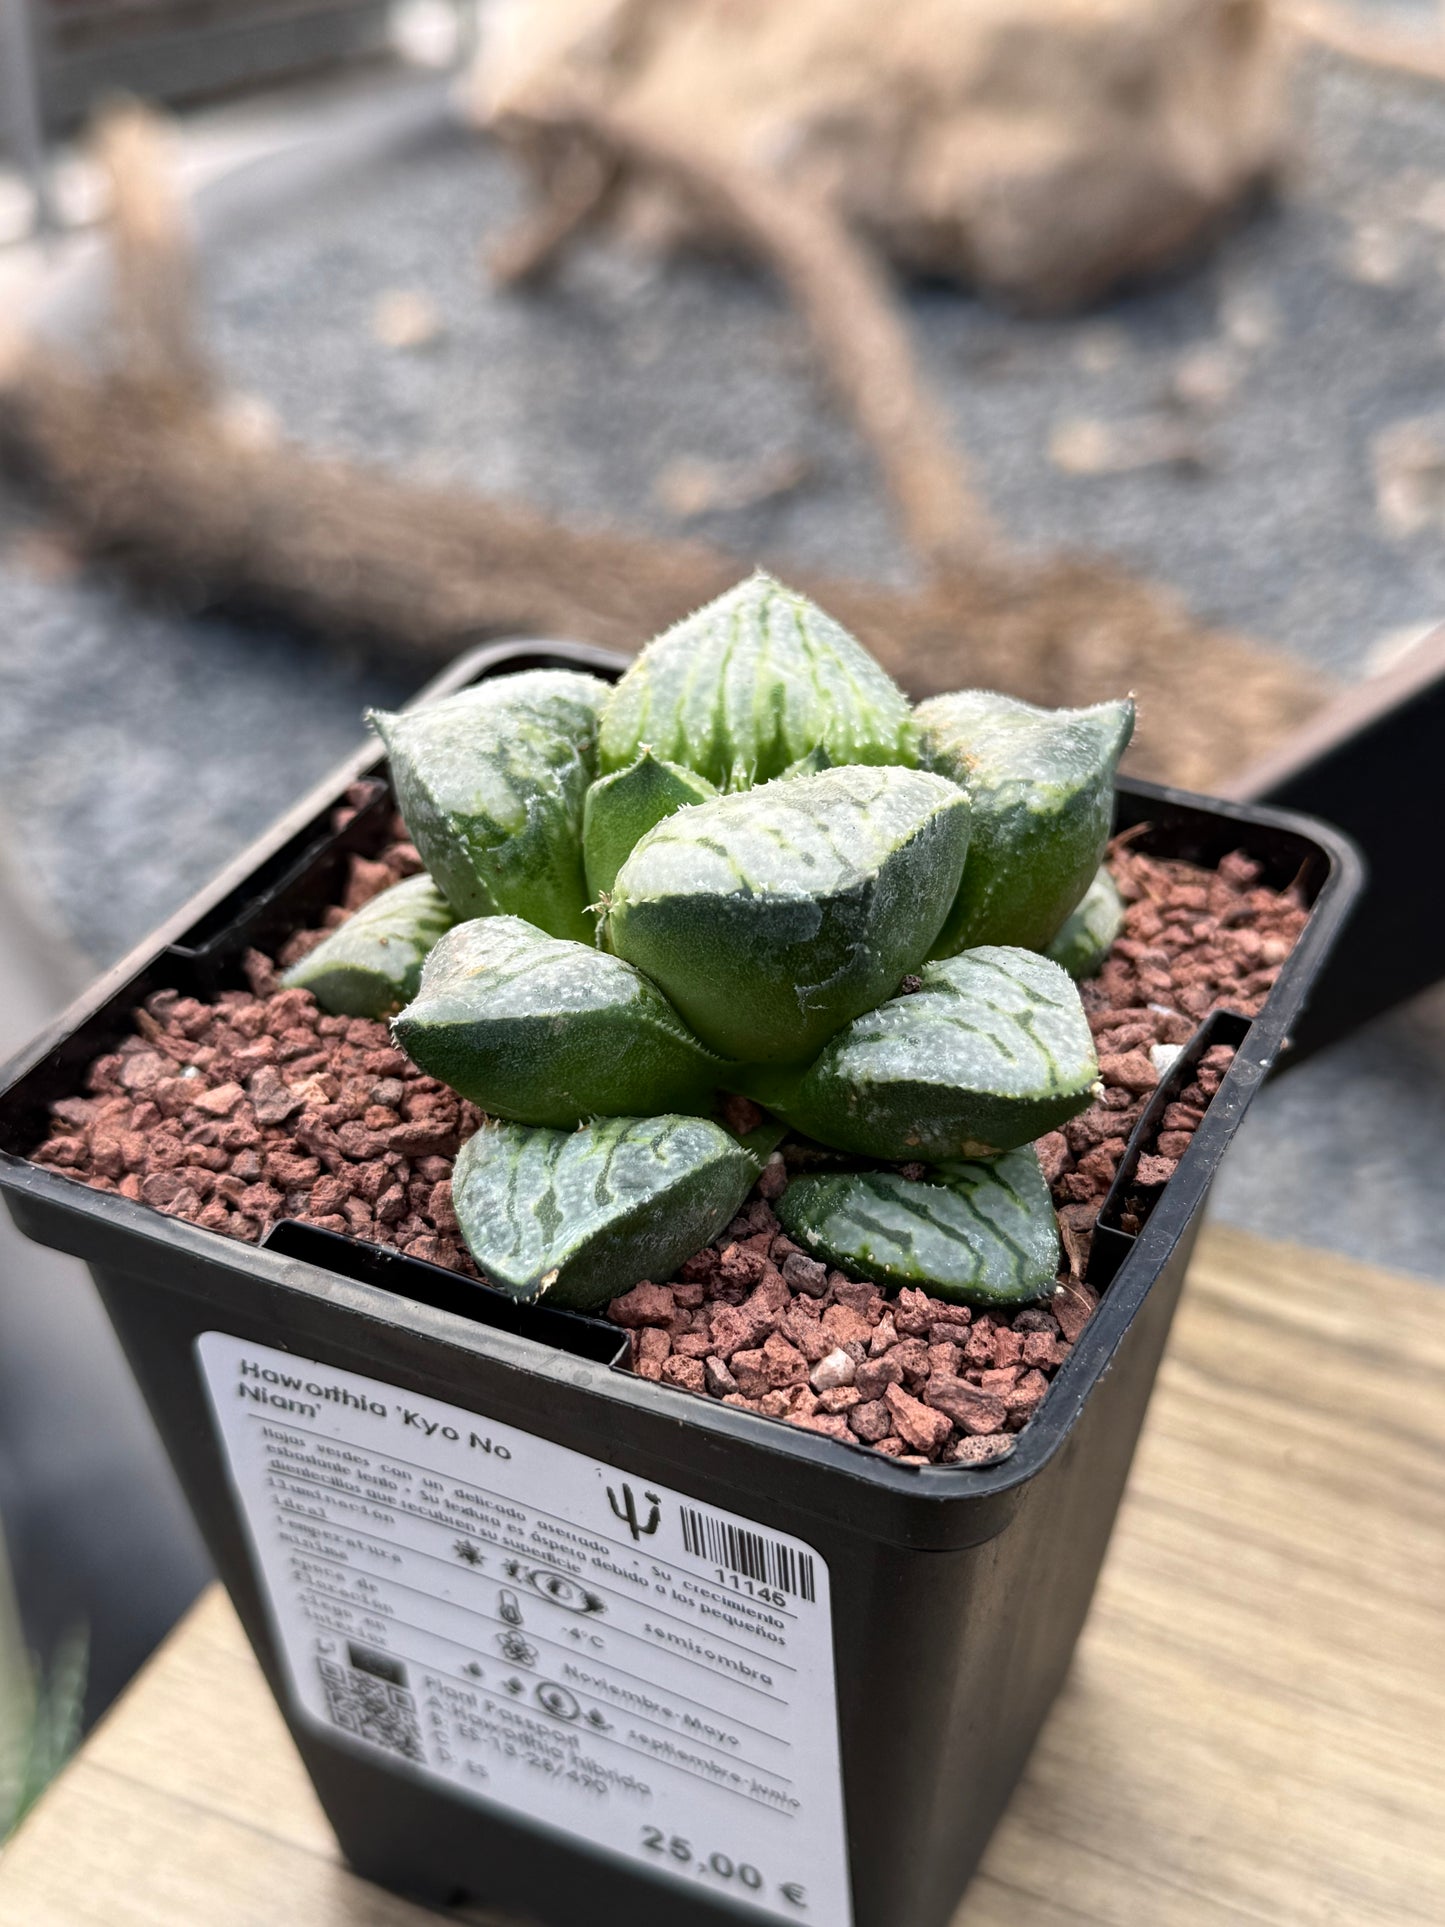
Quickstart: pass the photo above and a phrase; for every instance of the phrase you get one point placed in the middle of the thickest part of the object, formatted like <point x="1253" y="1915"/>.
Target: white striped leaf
<point x="573" y="1218"/>
<point x="621" y="809"/>
<point x="991" y="1052"/>
<point x="772" y="916"/>
<point x="491" y="784"/>
<point x="1041" y="782"/>
<point x="983" y="1233"/>
<point x="534" y="1028"/>
<point x="748" y="685"/>
<point x="1088" y="935"/>
<point x="373" y="963"/>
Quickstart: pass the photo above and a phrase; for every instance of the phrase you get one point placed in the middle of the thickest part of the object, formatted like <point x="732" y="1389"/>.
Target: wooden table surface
<point x="1254" y="1729"/>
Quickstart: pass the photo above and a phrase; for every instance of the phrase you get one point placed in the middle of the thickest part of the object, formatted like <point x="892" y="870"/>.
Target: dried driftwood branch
<point x="577" y="186"/>
<point x="1369" y="43"/>
<point x="154" y="297"/>
<point x="368" y="559"/>
<point x="154" y="474"/>
<point x="842" y="293"/>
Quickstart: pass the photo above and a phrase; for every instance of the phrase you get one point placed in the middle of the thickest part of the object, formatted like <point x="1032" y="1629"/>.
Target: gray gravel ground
<point x="139" y="747"/>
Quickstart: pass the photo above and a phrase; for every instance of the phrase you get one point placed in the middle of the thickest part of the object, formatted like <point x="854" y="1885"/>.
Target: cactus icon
<point x="628" y="1513"/>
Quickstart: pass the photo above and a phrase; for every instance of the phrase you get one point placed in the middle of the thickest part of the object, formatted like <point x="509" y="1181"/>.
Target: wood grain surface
<point x="1254" y="1729"/>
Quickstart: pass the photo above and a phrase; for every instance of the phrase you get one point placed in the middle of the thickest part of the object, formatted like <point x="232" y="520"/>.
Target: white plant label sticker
<point x="542" y="1632"/>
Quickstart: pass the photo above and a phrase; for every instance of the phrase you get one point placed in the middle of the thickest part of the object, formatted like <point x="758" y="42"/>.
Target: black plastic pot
<point x="819" y="1672"/>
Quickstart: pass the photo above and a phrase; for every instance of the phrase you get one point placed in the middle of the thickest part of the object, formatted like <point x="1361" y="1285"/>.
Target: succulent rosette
<point x="750" y="869"/>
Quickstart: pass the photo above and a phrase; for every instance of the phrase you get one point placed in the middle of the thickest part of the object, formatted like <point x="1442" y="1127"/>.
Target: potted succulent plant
<point x="703" y="1217"/>
<point x="747" y="870"/>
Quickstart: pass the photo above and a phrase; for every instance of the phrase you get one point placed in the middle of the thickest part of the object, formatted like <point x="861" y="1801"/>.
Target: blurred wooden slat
<point x="1254" y="1730"/>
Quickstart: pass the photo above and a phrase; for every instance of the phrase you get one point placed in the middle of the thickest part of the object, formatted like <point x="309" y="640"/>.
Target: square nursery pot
<point x="577" y="1645"/>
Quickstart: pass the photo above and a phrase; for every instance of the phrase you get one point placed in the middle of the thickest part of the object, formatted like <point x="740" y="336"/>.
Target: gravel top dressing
<point x="259" y="1107"/>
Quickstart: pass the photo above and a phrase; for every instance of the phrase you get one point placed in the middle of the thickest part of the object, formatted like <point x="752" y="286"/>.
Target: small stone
<point x="801" y="1273"/>
<point x="390" y="1207"/>
<point x="1028" y="1394"/>
<point x="717" y="1378"/>
<point x="774" y="1180"/>
<point x="432" y="1250"/>
<point x="824" y="1422"/>
<point x="874" y="1375"/>
<point x="1073" y="1306"/>
<point x="1130" y="1072"/>
<point x="845" y="1326"/>
<point x="985" y="1449"/>
<point x="686" y="1373"/>
<point x="871" y="1419"/>
<point x="1155" y="1170"/>
<point x="143" y="1070"/>
<point x="836" y="1369"/>
<point x="783" y="1364"/>
<point x="970" y="1409"/>
<point x="271" y="1099"/>
<point x="841" y="1398"/>
<point x="920" y="1426"/>
<point x="749" y="1368"/>
<point x="219" y="1102"/>
<point x="645" y="1304"/>
<point x="1000" y="1381"/>
<point x="742" y="1267"/>
<point x="806" y="1332"/>
<point x="740" y="1114"/>
<point x="912" y="1355"/>
<point x="731" y="1332"/>
<point x="913" y="1313"/>
<point x="1008" y="1347"/>
<point x="652" y="1347"/>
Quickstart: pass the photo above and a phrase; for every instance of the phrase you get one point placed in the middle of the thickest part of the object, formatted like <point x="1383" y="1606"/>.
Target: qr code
<point x="371" y="1700"/>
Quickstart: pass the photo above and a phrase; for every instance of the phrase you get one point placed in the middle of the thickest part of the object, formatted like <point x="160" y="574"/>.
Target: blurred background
<point x="1087" y="346"/>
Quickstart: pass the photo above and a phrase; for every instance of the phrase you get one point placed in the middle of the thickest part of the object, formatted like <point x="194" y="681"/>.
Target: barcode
<point x="748" y="1554"/>
<point x="377" y="1709"/>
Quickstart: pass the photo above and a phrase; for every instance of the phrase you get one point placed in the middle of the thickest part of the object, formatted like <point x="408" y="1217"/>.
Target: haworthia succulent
<point x="983" y="1233"/>
<point x="773" y="916"/>
<point x="991" y="1052"/>
<point x="572" y="1218"/>
<point x="621" y="809"/>
<point x="491" y="784"/>
<point x="373" y="963"/>
<point x="1088" y="934"/>
<point x="538" y="1029"/>
<point x="1041" y="782"/>
<point x="749" y="684"/>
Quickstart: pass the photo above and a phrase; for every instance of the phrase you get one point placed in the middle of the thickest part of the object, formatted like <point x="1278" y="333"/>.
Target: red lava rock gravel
<point x="259" y="1107"/>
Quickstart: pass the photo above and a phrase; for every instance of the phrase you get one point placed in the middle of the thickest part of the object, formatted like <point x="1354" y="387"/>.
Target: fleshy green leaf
<point x="813" y="764"/>
<point x="993" y="1051"/>
<point x="983" y="1233"/>
<point x="773" y="916"/>
<point x="1088" y="936"/>
<point x="751" y="683"/>
<point x="538" y="1029"/>
<point x="573" y="1218"/>
<point x="621" y="809"/>
<point x="372" y="964"/>
<point x="1041" y="782"/>
<point x="491" y="785"/>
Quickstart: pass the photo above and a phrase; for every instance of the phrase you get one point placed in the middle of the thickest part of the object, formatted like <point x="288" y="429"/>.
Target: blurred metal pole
<point x="21" y="121"/>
